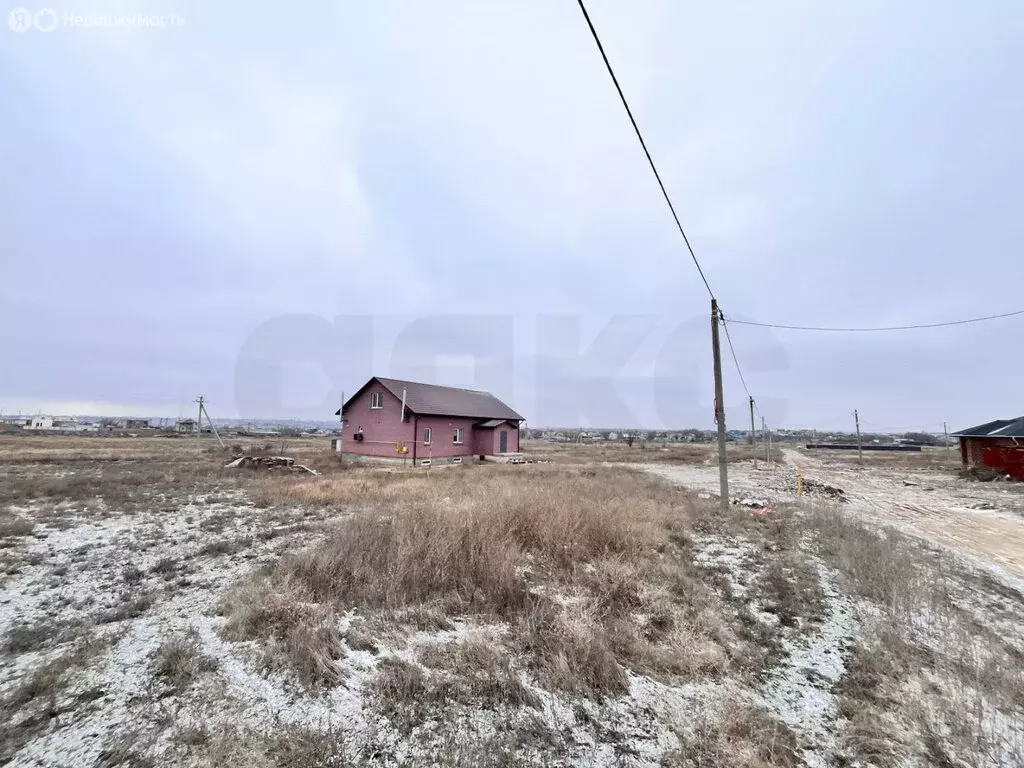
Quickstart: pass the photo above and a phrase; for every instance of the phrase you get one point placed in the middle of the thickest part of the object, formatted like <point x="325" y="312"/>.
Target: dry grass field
<point x="947" y="459"/>
<point x="639" y="452"/>
<point x="160" y="609"/>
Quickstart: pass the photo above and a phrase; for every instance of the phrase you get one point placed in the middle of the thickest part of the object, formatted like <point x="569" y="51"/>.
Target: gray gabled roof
<point x="435" y="400"/>
<point x="997" y="428"/>
<point x="490" y="423"/>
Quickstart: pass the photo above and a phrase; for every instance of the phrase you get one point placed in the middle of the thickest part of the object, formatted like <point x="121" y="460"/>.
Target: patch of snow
<point x="799" y="688"/>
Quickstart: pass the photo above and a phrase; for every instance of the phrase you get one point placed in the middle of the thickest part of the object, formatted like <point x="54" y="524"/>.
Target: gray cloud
<point x="169" y="195"/>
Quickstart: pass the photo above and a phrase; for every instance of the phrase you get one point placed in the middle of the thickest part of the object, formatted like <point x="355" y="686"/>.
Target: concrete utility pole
<point x="199" y="423"/>
<point x="860" y="451"/>
<point x="723" y="467"/>
<point x="945" y="432"/>
<point x="753" y="441"/>
<point x="213" y="427"/>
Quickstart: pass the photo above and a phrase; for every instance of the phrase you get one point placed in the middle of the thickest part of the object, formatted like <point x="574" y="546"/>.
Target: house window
<point x="457" y="436"/>
<point x="426" y="435"/>
<point x="376" y="399"/>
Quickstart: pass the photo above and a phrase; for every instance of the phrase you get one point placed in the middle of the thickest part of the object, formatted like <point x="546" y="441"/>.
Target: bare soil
<point x="981" y="521"/>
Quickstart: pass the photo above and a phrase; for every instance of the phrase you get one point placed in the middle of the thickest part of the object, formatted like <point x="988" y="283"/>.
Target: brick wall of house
<point x="488" y="441"/>
<point x="382" y="427"/>
<point x="1002" y="454"/>
<point x="483" y="443"/>
<point x="442" y="437"/>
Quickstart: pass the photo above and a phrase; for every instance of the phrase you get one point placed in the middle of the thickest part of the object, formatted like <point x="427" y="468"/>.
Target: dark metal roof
<point x="490" y="424"/>
<point x="997" y="428"/>
<point x="435" y="400"/>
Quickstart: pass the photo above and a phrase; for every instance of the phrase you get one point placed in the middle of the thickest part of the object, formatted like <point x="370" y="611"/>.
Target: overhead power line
<point x="883" y="328"/>
<point x="732" y="349"/>
<point x="643" y="144"/>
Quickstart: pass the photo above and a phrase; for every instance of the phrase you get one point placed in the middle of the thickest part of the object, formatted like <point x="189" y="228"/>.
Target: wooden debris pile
<point x="269" y="463"/>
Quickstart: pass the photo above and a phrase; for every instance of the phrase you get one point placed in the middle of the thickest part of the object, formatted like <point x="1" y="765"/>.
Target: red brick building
<point x="426" y="422"/>
<point x="998" y="445"/>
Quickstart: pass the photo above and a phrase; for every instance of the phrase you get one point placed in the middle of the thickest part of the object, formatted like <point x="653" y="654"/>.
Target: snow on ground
<point x="800" y="687"/>
<point x="81" y="570"/>
<point x="104" y="564"/>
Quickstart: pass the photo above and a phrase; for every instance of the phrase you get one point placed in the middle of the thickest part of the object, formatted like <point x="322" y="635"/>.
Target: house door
<point x="503" y="442"/>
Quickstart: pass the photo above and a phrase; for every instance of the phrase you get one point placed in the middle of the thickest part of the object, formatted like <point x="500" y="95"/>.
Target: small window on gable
<point x="457" y="436"/>
<point x="376" y="399"/>
<point x="426" y="435"/>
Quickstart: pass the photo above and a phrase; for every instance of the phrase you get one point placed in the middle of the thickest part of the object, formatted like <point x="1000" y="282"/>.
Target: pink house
<point x="407" y="419"/>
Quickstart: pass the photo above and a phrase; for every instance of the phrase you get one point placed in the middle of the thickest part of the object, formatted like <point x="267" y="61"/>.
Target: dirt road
<point x="983" y="522"/>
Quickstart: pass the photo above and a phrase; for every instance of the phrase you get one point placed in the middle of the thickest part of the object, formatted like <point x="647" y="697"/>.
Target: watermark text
<point x="23" y="20"/>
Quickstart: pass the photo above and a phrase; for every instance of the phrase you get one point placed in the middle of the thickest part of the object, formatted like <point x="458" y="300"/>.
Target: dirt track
<point x="981" y="521"/>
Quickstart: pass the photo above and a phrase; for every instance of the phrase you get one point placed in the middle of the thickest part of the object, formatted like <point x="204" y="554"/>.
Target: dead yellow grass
<point x="930" y="457"/>
<point x="639" y="453"/>
<point x="740" y="736"/>
<point x="928" y="669"/>
<point x="570" y="558"/>
<point x="64" y="448"/>
<point x="586" y="453"/>
<point x="70" y="449"/>
<point x="358" y="486"/>
<point x="467" y="533"/>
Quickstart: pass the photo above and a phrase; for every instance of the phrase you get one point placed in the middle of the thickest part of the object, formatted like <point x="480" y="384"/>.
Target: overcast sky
<point x="269" y="203"/>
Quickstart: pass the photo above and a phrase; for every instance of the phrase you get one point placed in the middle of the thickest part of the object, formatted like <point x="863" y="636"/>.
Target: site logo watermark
<point x="614" y="371"/>
<point x="22" y="20"/>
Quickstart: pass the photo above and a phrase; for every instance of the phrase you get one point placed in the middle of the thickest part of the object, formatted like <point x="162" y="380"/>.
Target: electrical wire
<point x="732" y="349"/>
<point x="885" y="328"/>
<point x="643" y="144"/>
<point x="664" y="192"/>
<point x="696" y="261"/>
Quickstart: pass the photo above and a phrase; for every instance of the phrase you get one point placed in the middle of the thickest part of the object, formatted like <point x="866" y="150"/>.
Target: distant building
<point x="185" y="425"/>
<point x="53" y="424"/>
<point x="135" y="423"/>
<point x="996" y="445"/>
<point x="72" y="425"/>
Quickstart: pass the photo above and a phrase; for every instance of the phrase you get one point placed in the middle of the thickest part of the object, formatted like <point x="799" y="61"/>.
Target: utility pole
<point x="199" y="422"/>
<point x="753" y="442"/>
<point x="723" y="467"/>
<point x="860" y="452"/>
<point x="213" y="427"/>
<point x="945" y="431"/>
